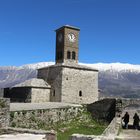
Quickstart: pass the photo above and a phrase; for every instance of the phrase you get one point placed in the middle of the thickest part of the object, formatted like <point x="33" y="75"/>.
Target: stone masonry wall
<point x="126" y="102"/>
<point x="79" y="86"/>
<point x="103" y="110"/>
<point x="4" y="112"/>
<point x="122" y="103"/>
<point x="43" y="118"/>
<point x="71" y="84"/>
<point x="113" y="128"/>
<point x="52" y="75"/>
<point x="40" y="95"/>
<point x="71" y="46"/>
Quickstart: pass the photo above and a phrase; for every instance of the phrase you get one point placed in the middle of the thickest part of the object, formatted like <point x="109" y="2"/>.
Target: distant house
<point x="33" y="90"/>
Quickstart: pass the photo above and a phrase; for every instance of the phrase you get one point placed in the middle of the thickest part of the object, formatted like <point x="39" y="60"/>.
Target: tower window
<point x="73" y="55"/>
<point x="68" y="55"/>
<point x="80" y="93"/>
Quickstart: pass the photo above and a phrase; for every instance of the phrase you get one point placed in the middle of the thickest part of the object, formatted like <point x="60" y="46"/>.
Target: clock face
<point x="71" y="37"/>
<point x="60" y="37"/>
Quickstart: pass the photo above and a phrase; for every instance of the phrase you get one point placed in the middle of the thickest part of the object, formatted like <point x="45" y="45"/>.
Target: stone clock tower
<point x="67" y="40"/>
<point x="70" y="81"/>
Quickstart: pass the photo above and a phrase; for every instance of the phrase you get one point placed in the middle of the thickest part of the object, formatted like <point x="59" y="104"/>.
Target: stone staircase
<point x="130" y="133"/>
<point x="127" y="134"/>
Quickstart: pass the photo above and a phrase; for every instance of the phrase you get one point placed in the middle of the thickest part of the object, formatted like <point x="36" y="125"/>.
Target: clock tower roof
<point x="68" y="26"/>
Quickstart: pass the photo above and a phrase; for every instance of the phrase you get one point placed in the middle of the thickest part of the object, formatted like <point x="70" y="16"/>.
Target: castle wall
<point x="4" y="112"/>
<point x="79" y="86"/>
<point x="39" y="95"/>
<point x="103" y="110"/>
<point x="53" y="76"/>
<point x="42" y="117"/>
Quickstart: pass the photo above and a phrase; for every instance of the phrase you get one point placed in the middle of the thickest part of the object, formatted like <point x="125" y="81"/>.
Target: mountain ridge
<point x="115" y="79"/>
<point x="100" y="66"/>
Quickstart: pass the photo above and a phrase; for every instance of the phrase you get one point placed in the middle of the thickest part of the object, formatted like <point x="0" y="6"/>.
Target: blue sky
<point x="110" y="30"/>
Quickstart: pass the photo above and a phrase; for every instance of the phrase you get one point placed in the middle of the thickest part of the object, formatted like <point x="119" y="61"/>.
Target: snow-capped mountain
<point x="37" y="65"/>
<point x="115" y="79"/>
<point x="119" y="67"/>
<point x="10" y="76"/>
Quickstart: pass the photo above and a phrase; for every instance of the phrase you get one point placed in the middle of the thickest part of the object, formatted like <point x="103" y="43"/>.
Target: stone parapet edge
<point x="109" y="133"/>
<point x="49" y="135"/>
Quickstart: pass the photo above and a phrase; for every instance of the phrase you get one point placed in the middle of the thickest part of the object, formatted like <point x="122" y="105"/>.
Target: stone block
<point x="51" y="136"/>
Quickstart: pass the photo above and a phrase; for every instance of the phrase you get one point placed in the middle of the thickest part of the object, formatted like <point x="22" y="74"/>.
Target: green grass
<point x="80" y="125"/>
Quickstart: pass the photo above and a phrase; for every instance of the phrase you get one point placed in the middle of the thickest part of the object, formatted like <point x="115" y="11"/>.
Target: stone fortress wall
<point x="111" y="132"/>
<point x="127" y="102"/>
<point x="35" y="116"/>
<point x="40" y="95"/>
<point x="4" y="112"/>
<point x="123" y="103"/>
<point x="52" y="75"/>
<point x="80" y="86"/>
